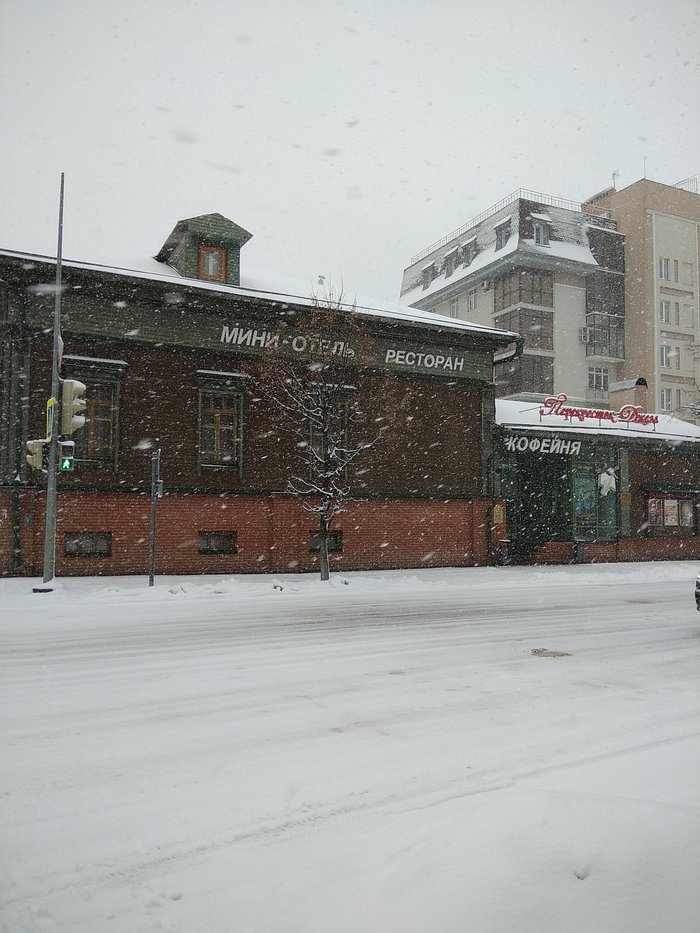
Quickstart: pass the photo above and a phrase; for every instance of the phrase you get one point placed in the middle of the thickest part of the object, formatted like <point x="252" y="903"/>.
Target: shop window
<point x="218" y="542"/>
<point x="664" y="269"/>
<point x="212" y="263"/>
<point x="687" y="510"/>
<point x="595" y="499"/>
<point x="672" y="512"/>
<point x="220" y="429"/>
<point x="334" y="538"/>
<point x="87" y="544"/>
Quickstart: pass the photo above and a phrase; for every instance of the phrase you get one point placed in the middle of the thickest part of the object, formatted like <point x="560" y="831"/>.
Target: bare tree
<point x="317" y="391"/>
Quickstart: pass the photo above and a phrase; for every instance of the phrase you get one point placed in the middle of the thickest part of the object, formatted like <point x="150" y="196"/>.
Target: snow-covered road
<point x="384" y="753"/>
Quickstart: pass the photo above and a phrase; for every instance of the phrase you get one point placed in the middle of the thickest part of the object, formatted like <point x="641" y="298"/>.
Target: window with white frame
<point x="471" y="299"/>
<point x="665" y="352"/>
<point x="665" y="311"/>
<point x="664" y="268"/>
<point x="598" y="378"/>
<point x="541" y="231"/>
<point x="666" y="399"/>
<point x="454" y="307"/>
<point x="211" y="263"/>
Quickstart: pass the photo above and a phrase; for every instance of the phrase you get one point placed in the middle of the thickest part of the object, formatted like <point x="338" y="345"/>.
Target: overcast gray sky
<point x="346" y="136"/>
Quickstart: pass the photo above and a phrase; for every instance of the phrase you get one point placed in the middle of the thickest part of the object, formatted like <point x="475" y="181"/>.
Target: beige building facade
<point x="661" y="225"/>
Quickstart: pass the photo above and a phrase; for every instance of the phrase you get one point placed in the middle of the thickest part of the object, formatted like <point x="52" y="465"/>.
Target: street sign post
<point x="50" y="418"/>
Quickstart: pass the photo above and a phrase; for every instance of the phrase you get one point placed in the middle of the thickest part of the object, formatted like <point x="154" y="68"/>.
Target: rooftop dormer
<point x="206" y="247"/>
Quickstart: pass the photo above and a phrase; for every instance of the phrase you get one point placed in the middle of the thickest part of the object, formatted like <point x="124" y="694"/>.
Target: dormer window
<point x="469" y="251"/>
<point x="212" y="263"/>
<point x="450" y="263"/>
<point x="206" y="247"/>
<point x="541" y="232"/>
<point x="502" y="234"/>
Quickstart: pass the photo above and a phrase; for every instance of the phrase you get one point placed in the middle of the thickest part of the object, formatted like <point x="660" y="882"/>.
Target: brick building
<point x="169" y="354"/>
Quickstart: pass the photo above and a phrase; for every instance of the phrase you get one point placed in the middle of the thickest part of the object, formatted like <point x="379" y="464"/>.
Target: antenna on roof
<point x="615" y="175"/>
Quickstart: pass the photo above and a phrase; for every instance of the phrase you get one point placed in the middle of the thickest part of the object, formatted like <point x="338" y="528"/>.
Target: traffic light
<point x="72" y="405"/>
<point x="35" y="454"/>
<point x="66" y="453"/>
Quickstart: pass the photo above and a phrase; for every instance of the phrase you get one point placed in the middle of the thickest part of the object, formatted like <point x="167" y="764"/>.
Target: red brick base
<point x="272" y="533"/>
<point x="627" y="549"/>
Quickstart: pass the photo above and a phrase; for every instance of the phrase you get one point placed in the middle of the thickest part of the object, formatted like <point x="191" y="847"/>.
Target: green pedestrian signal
<point x="66" y="453"/>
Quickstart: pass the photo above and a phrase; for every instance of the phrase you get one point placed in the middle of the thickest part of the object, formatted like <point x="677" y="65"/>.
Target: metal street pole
<point x="50" y="520"/>
<point x="155" y="493"/>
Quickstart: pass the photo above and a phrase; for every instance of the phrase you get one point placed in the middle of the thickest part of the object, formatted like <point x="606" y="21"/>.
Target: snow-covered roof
<point x="572" y="252"/>
<point x="521" y="415"/>
<point x="482" y="259"/>
<point x="259" y="285"/>
<point x="568" y="242"/>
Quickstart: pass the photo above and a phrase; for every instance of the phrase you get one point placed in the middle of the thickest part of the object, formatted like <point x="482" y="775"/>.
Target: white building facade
<point x="542" y="267"/>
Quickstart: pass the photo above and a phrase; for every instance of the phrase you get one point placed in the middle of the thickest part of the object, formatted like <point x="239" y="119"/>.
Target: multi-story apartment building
<point x="661" y="224"/>
<point x="605" y="292"/>
<point x="547" y="269"/>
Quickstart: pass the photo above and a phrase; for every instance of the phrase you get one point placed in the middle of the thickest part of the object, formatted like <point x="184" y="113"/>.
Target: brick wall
<point x="272" y="533"/>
